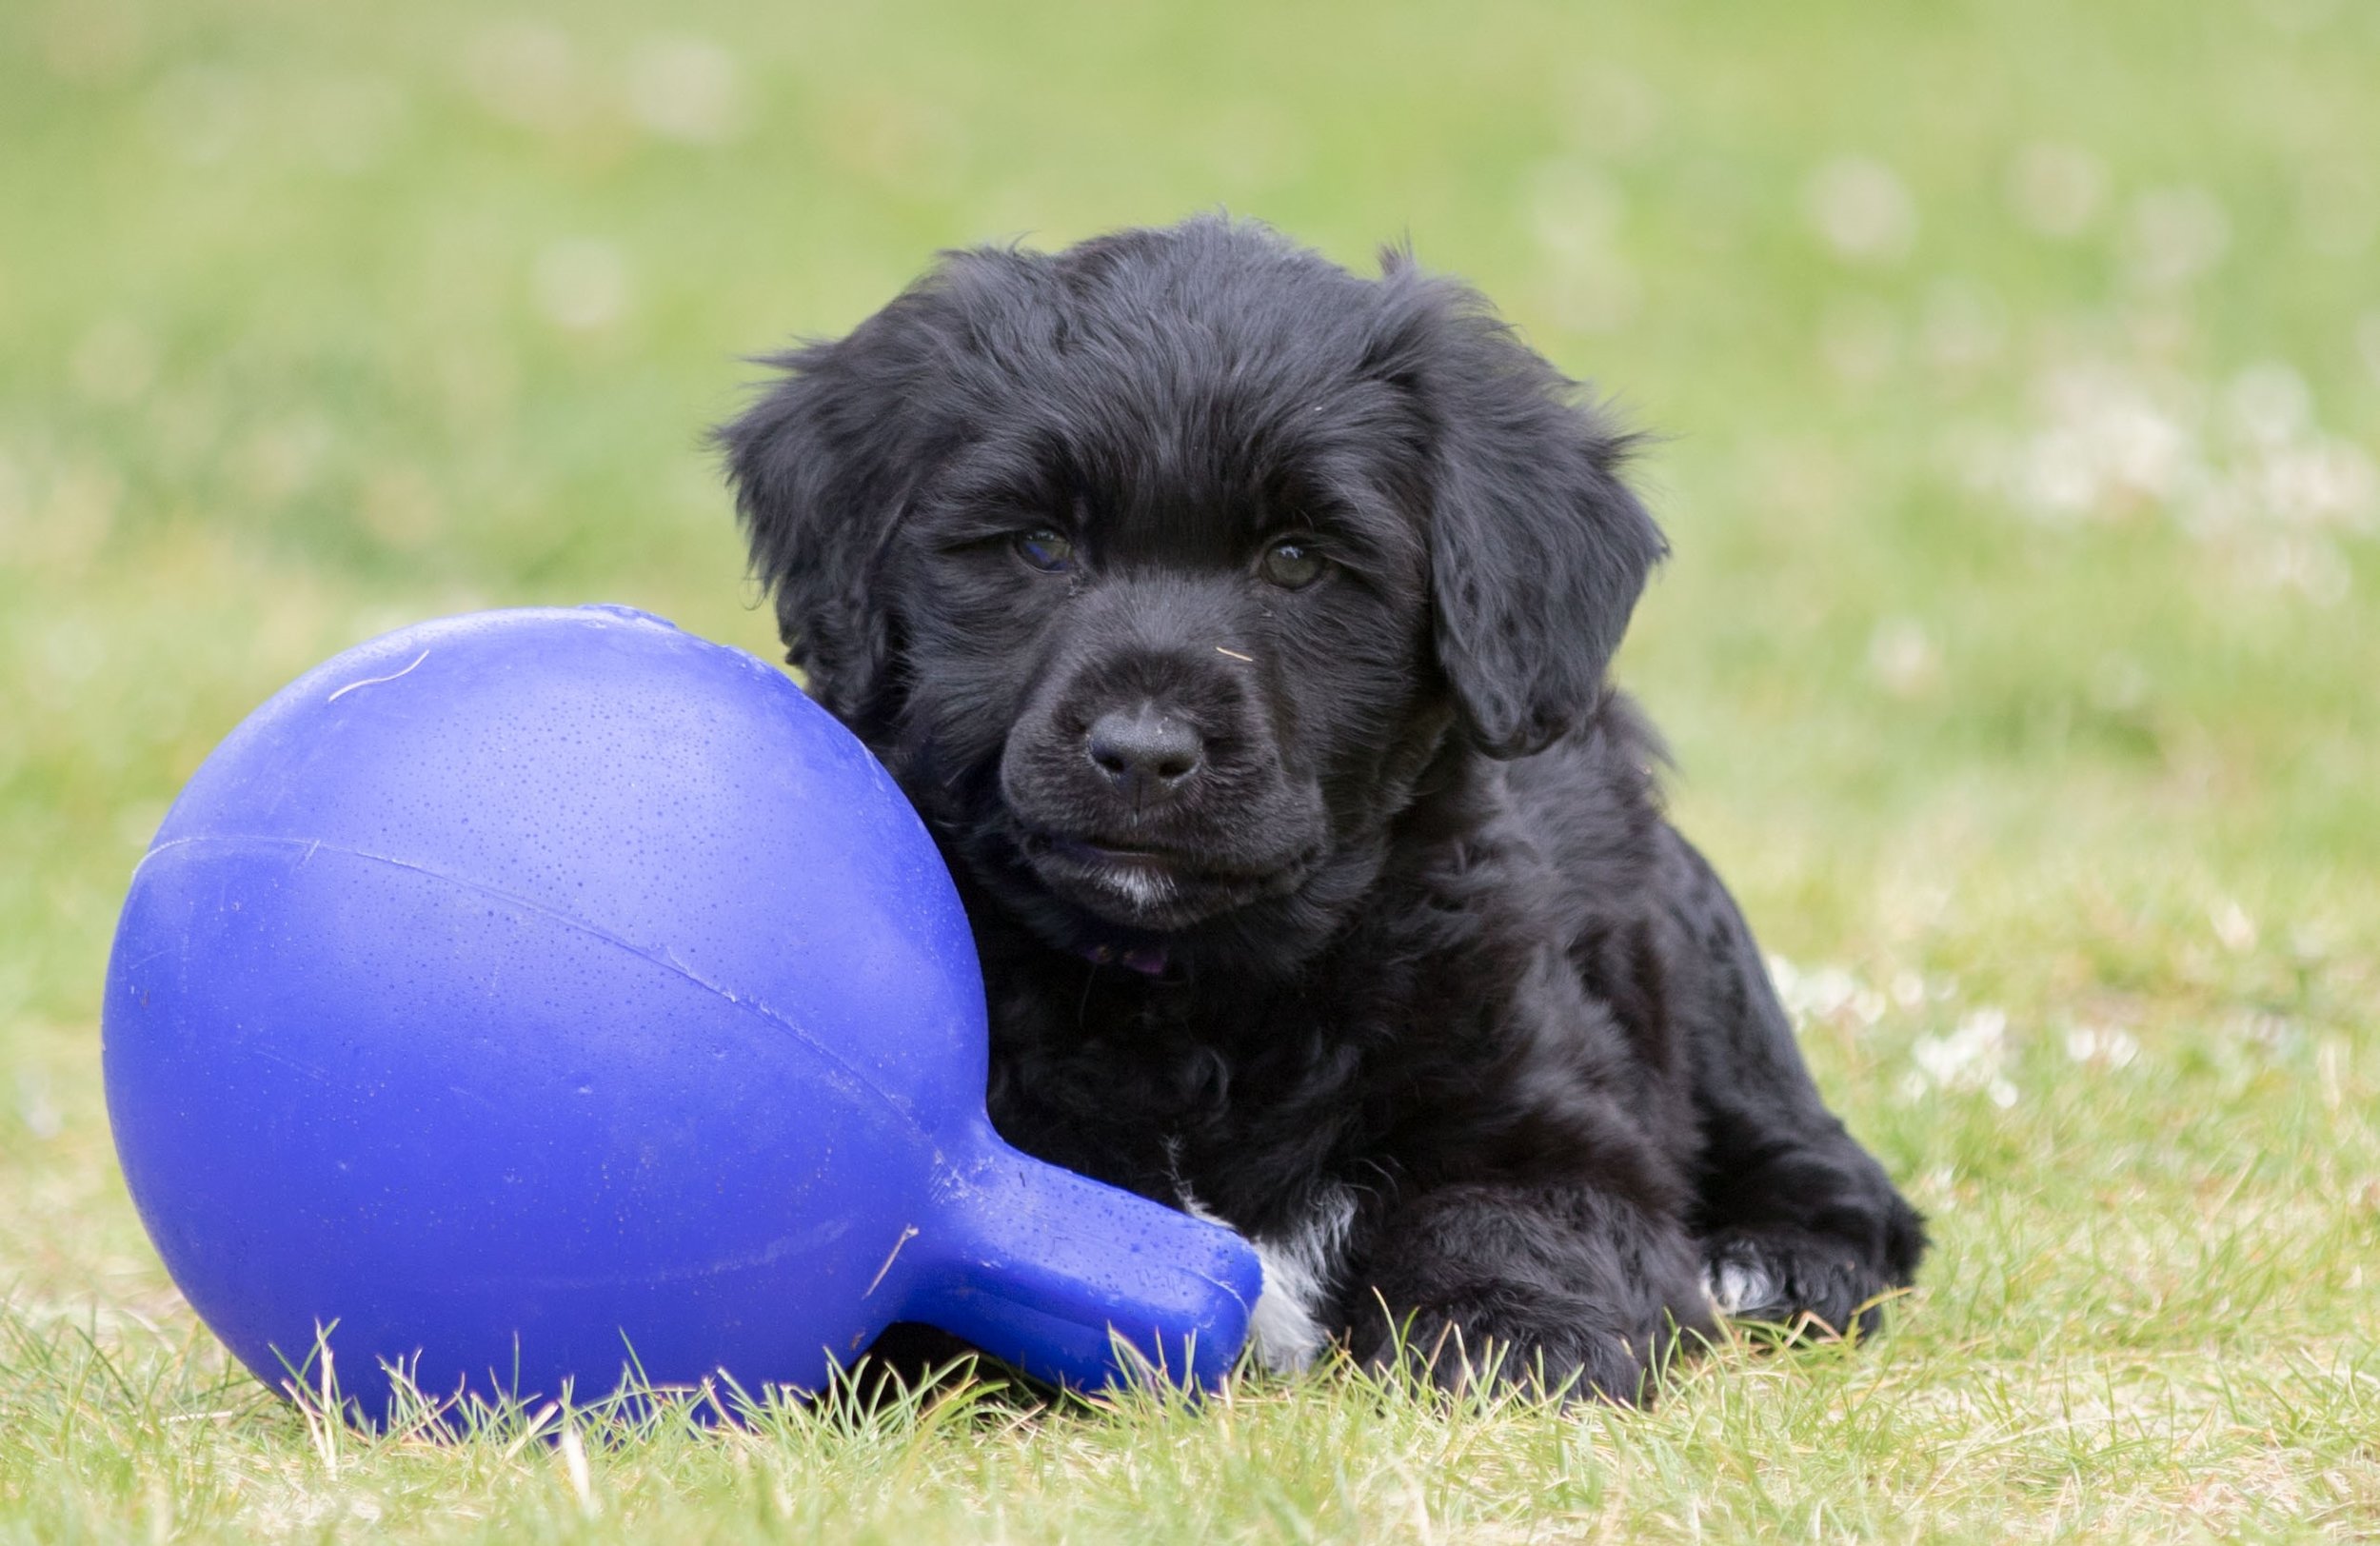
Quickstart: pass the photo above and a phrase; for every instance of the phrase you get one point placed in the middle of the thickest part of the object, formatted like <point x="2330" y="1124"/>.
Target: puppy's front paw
<point x="1460" y="1348"/>
<point x="1781" y="1275"/>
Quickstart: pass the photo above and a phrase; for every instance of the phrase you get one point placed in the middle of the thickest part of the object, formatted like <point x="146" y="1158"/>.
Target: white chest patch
<point x="1300" y="1270"/>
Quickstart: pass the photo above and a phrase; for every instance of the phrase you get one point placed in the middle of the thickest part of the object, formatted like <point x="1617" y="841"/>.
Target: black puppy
<point x="1239" y="626"/>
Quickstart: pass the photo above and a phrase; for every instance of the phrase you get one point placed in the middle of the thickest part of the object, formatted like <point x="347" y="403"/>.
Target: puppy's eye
<point x="1293" y="564"/>
<point x="1051" y="552"/>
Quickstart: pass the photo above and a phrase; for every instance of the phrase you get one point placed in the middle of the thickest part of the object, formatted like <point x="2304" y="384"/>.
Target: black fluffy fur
<point x="1413" y="944"/>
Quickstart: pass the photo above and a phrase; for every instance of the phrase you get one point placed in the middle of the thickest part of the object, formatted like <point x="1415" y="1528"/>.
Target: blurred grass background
<point x="2017" y="365"/>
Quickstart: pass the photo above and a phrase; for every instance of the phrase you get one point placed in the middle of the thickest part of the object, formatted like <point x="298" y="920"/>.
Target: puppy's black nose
<point x="1143" y="752"/>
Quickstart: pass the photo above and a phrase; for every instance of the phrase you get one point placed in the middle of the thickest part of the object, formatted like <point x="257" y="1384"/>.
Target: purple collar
<point x="1148" y="960"/>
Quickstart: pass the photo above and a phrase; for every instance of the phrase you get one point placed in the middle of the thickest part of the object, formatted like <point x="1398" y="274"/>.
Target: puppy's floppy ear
<point x="823" y="465"/>
<point x="1537" y="550"/>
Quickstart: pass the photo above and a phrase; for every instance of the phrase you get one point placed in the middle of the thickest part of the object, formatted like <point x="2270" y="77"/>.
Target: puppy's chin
<point x="1145" y="890"/>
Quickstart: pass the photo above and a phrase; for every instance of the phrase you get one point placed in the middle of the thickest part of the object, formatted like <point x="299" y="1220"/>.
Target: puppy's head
<point x="1157" y="570"/>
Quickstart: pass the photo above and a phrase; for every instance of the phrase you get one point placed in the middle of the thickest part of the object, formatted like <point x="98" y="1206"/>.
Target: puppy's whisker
<point x="1235" y="654"/>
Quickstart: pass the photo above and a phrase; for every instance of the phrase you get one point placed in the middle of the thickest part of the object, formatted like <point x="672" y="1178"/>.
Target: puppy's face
<point x="1157" y="570"/>
<point x="1168" y="625"/>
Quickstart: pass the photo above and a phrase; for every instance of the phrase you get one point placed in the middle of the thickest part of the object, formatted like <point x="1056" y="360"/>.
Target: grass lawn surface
<point x="2017" y="365"/>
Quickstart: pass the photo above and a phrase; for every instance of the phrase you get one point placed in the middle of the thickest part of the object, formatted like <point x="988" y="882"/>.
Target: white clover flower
<point x="1862" y="209"/>
<point x="686" y="89"/>
<point x="1973" y="1056"/>
<point x="581" y="284"/>
<point x="2105" y="1046"/>
<point x="2056" y="190"/>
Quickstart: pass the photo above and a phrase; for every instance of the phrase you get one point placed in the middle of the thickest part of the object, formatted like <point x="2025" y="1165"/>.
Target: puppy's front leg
<point x="1573" y="1289"/>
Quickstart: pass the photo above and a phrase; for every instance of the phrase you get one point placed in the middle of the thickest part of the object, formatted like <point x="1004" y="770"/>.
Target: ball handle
<point x="1075" y="1282"/>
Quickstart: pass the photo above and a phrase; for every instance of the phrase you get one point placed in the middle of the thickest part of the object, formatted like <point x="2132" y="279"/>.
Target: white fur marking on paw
<point x="1286" y="1327"/>
<point x="1286" y="1324"/>
<point x="1738" y="1287"/>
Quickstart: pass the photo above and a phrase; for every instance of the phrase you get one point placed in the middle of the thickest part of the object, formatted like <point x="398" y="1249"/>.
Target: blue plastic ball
<point x="526" y="998"/>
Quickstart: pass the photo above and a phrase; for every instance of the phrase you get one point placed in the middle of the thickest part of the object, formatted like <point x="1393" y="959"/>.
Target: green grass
<point x="2019" y="366"/>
